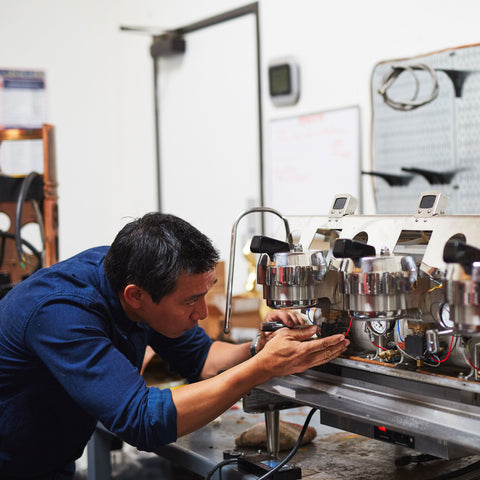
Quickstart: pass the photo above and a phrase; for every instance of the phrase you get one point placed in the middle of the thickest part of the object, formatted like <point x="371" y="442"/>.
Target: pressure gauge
<point x="284" y="81"/>
<point x="380" y="327"/>
<point x="444" y="314"/>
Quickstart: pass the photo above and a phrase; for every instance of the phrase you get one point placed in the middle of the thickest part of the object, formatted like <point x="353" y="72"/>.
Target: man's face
<point x="180" y="310"/>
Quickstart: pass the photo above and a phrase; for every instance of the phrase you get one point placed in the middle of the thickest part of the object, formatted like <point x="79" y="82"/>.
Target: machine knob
<point x="262" y="244"/>
<point x="457" y="251"/>
<point x="346" y="248"/>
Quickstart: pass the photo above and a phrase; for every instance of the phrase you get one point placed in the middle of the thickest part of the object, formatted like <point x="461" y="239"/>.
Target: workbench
<point x="333" y="455"/>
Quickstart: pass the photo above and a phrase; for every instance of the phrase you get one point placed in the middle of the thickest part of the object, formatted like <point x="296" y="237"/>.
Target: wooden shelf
<point x="48" y="204"/>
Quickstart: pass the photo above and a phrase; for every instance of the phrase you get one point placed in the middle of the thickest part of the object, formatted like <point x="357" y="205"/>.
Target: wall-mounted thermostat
<point x="284" y="81"/>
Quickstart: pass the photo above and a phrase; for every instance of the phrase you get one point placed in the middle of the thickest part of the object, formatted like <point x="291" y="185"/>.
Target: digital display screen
<point x="428" y="201"/>
<point x="280" y="82"/>
<point x="339" y="203"/>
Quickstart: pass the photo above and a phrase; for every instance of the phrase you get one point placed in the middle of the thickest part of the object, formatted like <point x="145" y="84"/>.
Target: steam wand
<point x="228" y="306"/>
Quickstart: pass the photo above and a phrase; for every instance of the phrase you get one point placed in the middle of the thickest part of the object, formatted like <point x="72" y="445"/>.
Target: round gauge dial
<point x="444" y="313"/>
<point x="380" y="327"/>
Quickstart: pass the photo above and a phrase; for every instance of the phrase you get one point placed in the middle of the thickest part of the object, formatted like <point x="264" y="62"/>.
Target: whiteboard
<point x="312" y="158"/>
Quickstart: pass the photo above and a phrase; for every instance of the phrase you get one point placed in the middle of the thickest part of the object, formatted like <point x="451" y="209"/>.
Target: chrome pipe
<point x="228" y="306"/>
<point x="272" y="427"/>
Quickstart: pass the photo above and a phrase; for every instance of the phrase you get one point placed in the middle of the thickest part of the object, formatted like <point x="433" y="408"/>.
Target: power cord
<point x="391" y="76"/>
<point x="22" y="196"/>
<point x="219" y="466"/>
<point x="269" y="474"/>
<point x="11" y="236"/>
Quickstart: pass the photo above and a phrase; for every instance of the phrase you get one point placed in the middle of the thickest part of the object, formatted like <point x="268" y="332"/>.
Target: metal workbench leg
<point x="98" y="456"/>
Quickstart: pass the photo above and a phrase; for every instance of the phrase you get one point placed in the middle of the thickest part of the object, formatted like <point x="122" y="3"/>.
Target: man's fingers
<point x="303" y="332"/>
<point x="326" y="353"/>
<point x="333" y="340"/>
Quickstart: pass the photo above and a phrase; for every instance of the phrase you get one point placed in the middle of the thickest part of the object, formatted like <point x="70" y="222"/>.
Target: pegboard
<point x="443" y="135"/>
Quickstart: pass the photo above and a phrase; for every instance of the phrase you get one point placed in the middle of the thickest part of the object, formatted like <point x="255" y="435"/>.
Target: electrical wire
<point x="378" y="346"/>
<point x="282" y="463"/>
<point x="2" y="249"/>
<point x="349" y="327"/>
<point x="316" y="335"/>
<point x="34" y="251"/>
<point x="435" y="359"/>
<point x="472" y="365"/>
<point x="22" y="196"/>
<point x="462" y="473"/>
<point x="405" y="353"/>
<point x="219" y="466"/>
<point x="293" y="451"/>
<point x="448" y="353"/>
<point x="398" y="330"/>
<point x="391" y="76"/>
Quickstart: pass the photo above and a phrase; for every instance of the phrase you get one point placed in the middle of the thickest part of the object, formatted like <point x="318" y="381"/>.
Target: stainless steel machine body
<point x="410" y="375"/>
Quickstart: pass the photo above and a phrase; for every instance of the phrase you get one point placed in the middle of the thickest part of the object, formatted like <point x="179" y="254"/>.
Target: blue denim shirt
<point x="70" y="357"/>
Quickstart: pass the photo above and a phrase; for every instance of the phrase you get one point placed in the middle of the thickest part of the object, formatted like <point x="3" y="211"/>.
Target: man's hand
<point x="289" y="318"/>
<point x="287" y="350"/>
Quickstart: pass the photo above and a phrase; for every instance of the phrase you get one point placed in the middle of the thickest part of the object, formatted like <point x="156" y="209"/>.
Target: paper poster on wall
<point x="23" y="104"/>
<point x="312" y="158"/>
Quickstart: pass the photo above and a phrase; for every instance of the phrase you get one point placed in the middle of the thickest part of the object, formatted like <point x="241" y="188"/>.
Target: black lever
<point x="346" y="248"/>
<point x="435" y="178"/>
<point x="262" y="244"/>
<point x="457" y="251"/>
<point x="394" y="180"/>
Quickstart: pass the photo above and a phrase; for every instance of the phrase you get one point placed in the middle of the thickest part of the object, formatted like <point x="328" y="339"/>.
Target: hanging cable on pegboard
<point x="390" y="77"/>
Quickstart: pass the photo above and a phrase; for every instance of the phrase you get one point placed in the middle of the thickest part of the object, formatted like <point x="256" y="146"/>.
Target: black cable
<point x="22" y="195"/>
<point x="2" y="250"/>
<point x="220" y="465"/>
<point x="35" y="252"/>
<point x="293" y="451"/>
<point x="473" y="467"/>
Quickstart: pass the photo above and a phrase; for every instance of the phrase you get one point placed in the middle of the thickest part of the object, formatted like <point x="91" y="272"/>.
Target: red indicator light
<point x="382" y="429"/>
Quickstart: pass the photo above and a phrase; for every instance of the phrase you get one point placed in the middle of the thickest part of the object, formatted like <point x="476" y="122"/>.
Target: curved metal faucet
<point x="228" y="306"/>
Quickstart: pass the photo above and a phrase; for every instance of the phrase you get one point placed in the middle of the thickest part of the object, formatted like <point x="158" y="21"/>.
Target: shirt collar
<point x="121" y="320"/>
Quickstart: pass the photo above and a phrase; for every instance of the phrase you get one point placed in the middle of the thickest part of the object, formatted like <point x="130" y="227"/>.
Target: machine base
<point x="262" y="464"/>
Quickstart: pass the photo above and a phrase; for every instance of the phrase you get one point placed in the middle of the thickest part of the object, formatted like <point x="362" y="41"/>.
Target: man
<point x="73" y="337"/>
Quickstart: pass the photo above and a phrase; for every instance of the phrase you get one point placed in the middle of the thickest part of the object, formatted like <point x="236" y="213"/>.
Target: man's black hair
<point x="152" y="251"/>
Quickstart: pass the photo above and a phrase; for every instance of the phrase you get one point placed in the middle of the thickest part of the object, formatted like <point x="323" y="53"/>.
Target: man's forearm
<point x="285" y="353"/>
<point x="223" y="355"/>
<point x="201" y="402"/>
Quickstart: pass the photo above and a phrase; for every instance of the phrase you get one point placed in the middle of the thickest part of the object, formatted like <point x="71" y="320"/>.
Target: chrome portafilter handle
<point x="231" y="265"/>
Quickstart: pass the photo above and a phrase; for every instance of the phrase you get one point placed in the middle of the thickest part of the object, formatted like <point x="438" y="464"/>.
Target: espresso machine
<point x="405" y="289"/>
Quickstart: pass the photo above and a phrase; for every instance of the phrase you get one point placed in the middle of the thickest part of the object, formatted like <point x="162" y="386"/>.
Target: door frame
<point x="173" y="42"/>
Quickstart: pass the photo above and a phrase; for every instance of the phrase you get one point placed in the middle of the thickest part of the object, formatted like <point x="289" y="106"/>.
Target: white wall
<point x="100" y="81"/>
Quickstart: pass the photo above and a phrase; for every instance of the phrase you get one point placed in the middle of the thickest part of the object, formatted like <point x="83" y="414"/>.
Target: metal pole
<point x="156" y="98"/>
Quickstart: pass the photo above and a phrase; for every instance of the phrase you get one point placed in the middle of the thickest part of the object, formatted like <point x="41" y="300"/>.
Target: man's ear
<point x="133" y="296"/>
